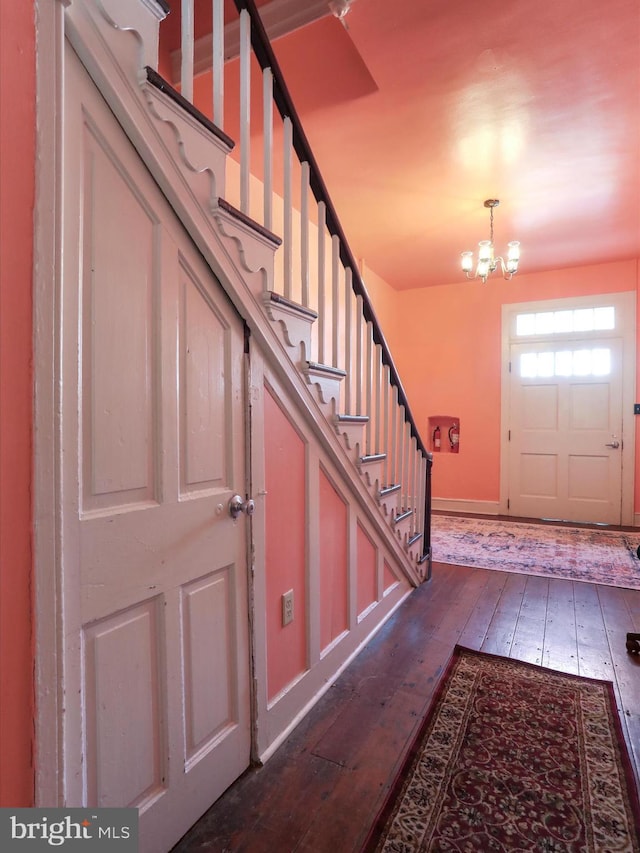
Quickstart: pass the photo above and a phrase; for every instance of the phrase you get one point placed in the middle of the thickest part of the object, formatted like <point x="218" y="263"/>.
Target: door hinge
<point x="509" y="367"/>
<point x="509" y="439"/>
<point x="508" y="503"/>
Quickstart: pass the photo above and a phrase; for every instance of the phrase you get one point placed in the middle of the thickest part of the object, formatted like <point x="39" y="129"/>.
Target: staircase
<point x="284" y="262"/>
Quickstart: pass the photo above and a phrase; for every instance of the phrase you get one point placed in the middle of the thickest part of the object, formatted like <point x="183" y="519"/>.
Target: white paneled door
<point x="152" y="447"/>
<point x="565" y="449"/>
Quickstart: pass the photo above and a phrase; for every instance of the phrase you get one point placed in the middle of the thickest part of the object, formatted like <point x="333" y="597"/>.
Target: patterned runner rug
<point x="512" y="756"/>
<point x="575" y="553"/>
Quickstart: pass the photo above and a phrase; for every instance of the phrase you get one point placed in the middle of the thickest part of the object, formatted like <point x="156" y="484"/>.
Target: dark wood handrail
<point x="267" y="59"/>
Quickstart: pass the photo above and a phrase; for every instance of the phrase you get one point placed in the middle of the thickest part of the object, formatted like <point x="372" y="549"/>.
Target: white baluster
<point x="267" y="120"/>
<point x="359" y="366"/>
<point x="378" y="397"/>
<point x="304" y="231"/>
<point x="394" y="439"/>
<point x="287" y="237"/>
<point x="335" y="299"/>
<point x="400" y="472"/>
<point x="348" y="342"/>
<point x="217" y="13"/>
<point x="385" y="434"/>
<point x="322" y="225"/>
<point x="414" y="483"/>
<point x="245" y="109"/>
<point x="186" y="46"/>
<point x="422" y="496"/>
<point x="369" y="387"/>
<point x="406" y="465"/>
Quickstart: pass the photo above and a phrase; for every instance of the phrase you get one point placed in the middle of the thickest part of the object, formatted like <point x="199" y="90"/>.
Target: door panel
<point x="119" y="292"/>
<point x="121" y="658"/>
<point x="560" y="464"/>
<point x="205" y="440"/>
<point x="155" y="621"/>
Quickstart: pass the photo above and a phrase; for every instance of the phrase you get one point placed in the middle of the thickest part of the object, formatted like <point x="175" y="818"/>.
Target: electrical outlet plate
<point x="287" y="608"/>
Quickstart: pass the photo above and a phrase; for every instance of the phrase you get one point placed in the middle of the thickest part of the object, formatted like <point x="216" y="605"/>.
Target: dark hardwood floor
<point x="322" y="789"/>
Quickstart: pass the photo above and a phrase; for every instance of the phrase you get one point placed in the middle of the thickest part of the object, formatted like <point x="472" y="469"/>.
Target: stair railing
<point x="321" y="274"/>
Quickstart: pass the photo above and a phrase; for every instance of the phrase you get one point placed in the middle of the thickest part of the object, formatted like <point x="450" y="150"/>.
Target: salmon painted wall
<point x="334" y="615"/>
<point x="446" y="342"/>
<point x="367" y="572"/>
<point x="285" y="559"/>
<point x="384" y="299"/>
<point x="17" y="144"/>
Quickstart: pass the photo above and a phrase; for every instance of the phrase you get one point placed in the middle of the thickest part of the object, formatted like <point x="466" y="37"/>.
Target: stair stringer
<point x="326" y="379"/>
<point x="172" y="148"/>
<point x="294" y="322"/>
<point x="371" y="467"/>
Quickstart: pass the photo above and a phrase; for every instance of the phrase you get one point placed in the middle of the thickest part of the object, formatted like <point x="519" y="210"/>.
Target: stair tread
<point x="325" y="368"/>
<point x="278" y="299"/>
<point x="223" y="204"/>
<point x="389" y="490"/>
<point x="425" y="556"/>
<point x="373" y="457"/>
<point x="352" y="419"/>
<point x="402" y="515"/>
<point x="163" y="85"/>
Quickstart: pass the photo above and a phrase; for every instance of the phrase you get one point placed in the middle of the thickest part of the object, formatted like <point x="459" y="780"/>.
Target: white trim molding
<point x="46" y="487"/>
<point x="476" y="507"/>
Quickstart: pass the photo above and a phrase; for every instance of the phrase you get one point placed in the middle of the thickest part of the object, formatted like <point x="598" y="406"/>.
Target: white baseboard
<point x="453" y="505"/>
<point x="328" y="683"/>
<point x="484" y="507"/>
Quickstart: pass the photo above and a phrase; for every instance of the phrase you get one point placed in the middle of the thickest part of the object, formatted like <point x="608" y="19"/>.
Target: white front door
<point x="565" y="448"/>
<point x="155" y="702"/>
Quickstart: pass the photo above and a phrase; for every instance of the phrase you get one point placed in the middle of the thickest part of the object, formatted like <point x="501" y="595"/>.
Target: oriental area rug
<point x="513" y="756"/>
<point x="598" y="555"/>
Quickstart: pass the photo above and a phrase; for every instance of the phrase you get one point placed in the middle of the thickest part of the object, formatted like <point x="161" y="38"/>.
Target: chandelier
<point x="340" y="8"/>
<point x="487" y="263"/>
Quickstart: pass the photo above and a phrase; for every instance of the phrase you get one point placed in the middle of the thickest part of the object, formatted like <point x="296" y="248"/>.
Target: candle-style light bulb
<point x="467" y="261"/>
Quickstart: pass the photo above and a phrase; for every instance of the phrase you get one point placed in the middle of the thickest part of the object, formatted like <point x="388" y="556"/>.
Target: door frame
<point x="625" y="304"/>
<point x="48" y="788"/>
